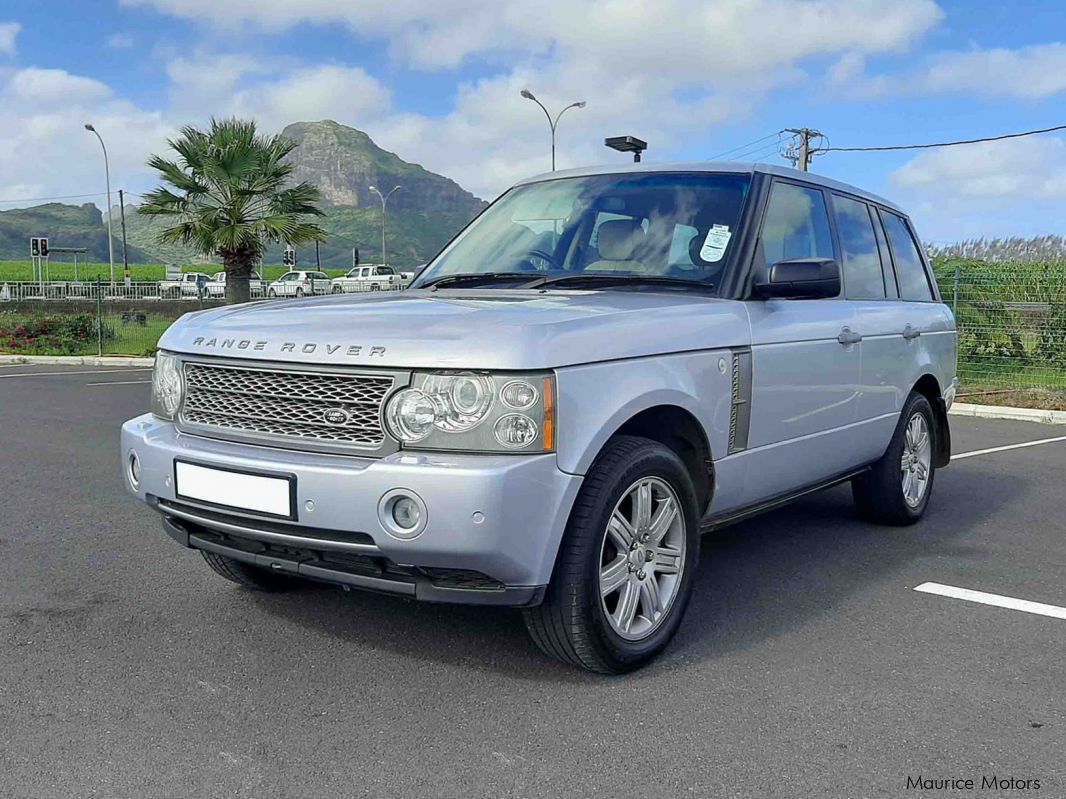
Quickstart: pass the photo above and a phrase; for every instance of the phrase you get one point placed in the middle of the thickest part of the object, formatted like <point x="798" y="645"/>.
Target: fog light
<point x="405" y="513"/>
<point x="402" y="514"/>
<point x="133" y="469"/>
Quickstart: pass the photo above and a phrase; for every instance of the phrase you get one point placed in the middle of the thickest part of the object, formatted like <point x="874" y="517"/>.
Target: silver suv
<point x="604" y="365"/>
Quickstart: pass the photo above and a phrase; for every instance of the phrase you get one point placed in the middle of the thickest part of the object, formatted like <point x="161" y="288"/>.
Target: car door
<point x="805" y="358"/>
<point x="870" y="288"/>
<point x="926" y="327"/>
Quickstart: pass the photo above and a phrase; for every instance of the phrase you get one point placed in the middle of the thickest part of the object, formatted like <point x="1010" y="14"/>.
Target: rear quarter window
<point x="910" y="271"/>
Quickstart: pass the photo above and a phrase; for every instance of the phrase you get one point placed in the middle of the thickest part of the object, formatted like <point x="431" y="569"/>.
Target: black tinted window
<point x="910" y="272"/>
<point x="796" y="225"/>
<point x="862" y="262"/>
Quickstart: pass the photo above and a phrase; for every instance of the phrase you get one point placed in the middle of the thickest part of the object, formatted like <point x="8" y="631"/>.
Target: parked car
<point x="551" y="416"/>
<point x="216" y="286"/>
<point x="371" y="278"/>
<point x="300" y="284"/>
<point x="188" y="286"/>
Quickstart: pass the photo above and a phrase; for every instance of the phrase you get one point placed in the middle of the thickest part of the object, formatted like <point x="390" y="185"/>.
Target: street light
<point x="107" y="176"/>
<point x="553" y="123"/>
<point x="384" y="200"/>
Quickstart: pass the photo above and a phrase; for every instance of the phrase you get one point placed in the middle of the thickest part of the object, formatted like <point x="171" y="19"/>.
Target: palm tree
<point x="228" y="195"/>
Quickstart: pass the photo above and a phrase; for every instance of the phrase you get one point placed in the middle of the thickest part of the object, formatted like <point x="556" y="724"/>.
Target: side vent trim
<point x="740" y="412"/>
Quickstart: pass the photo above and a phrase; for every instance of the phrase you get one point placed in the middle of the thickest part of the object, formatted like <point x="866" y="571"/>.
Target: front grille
<point x="286" y="406"/>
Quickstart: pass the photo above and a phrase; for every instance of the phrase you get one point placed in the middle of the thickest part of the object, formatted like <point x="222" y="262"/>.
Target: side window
<point x="796" y="225"/>
<point x="862" y="261"/>
<point x="891" y="289"/>
<point x="910" y="271"/>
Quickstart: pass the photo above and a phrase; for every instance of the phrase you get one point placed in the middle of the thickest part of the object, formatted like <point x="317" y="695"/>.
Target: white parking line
<point x="962" y="455"/>
<point x="78" y="372"/>
<point x="121" y="383"/>
<point x="1039" y="608"/>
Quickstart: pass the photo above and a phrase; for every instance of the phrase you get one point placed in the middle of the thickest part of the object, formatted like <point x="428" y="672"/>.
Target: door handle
<point x="911" y="332"/>
<point x="848" y="336"/>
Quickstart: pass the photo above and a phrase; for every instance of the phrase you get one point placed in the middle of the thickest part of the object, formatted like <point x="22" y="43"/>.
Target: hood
<point x="463" y="329"/>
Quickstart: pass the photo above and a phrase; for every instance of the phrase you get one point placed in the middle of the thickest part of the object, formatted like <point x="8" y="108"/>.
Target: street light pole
<point x="384" y="200"/>
<point x="552" y="123"/>
<point x="107" y="177"/>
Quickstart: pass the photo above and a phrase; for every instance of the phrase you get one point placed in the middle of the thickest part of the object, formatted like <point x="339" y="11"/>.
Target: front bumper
<point x="493" y="530"/>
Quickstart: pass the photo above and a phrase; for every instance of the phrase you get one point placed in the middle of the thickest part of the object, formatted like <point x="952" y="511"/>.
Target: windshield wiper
<point x="654" y="280"/>
<point x="476" y="277"/>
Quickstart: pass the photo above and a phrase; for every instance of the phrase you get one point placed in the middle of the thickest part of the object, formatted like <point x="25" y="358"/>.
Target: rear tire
<point x="897" y="488"/>
<point x="609" y="607"/>
<point x="248" y="576"/>
<point x="299" y="293"/>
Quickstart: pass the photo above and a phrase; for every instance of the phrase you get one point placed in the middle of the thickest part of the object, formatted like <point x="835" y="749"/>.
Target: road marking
<point x="121" y="383"/>
<point x="962" y="455"/>
<point x="998" y="601"/>
<point x="79" y="372"/>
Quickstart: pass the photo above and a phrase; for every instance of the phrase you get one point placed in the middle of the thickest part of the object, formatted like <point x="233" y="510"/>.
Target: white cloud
<point x="119" y="41"/>
<point x="49" y="152"/>
<point x="53" y="87"/>
<point x="996" y="172"/>
<point x="9" y="31"/>
<point x="1031" y="72"/>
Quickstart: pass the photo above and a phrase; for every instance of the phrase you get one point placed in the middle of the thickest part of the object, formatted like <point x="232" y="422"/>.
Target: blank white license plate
<point x="232" y="489"/>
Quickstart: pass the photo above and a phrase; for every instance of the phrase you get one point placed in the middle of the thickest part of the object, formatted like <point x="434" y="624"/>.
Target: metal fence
<point x="1011" y="319"/>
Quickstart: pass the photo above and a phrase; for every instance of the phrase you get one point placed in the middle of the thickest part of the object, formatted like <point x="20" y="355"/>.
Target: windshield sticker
<point x="714" y="245"/>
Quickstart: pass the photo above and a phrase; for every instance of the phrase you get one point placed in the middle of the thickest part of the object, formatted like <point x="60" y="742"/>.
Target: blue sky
<point x="437" y="82"/>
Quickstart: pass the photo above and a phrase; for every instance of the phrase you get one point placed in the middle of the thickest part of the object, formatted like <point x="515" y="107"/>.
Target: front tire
<point x="246" y="575"/>
<point x="611" y="608"/>
<point x="272" y="294"/>
<point x="897" y="488"/>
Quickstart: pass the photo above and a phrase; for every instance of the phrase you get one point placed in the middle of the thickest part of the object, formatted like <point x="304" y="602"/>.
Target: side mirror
<point x="801" y="278"/>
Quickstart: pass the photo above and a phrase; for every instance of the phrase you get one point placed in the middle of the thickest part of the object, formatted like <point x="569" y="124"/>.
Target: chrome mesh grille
<point x="289" y="405"/>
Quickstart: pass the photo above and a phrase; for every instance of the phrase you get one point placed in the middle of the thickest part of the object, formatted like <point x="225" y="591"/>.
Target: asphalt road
<point x="807" y="666"/>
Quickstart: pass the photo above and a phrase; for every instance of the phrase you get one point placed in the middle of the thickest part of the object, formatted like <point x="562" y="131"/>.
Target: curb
<point x="1007" y="412"/>
<point x="78" y="360"/>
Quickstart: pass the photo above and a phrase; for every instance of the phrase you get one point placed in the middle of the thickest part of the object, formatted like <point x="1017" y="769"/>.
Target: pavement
<point x="807" y="664"/>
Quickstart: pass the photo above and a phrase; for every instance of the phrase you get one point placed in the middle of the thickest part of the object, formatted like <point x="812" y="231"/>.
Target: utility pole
<point x="125" y="255"/>
<point x="318" y="257"/>
<point x="802" y="155"/>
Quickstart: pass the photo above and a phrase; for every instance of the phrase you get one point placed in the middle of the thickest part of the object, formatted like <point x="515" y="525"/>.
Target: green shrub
<point x="58" y="334"/>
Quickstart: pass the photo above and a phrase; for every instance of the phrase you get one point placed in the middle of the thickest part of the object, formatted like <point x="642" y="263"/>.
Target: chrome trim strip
<point x="262" y="535"/>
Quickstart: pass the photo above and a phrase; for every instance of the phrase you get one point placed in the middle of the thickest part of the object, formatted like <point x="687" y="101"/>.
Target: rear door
<point x="805" y="363"/>
<point x="870" y="288"/>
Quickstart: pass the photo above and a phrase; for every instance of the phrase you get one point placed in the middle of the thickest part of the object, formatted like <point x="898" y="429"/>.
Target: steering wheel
<point x="542" y="254"/>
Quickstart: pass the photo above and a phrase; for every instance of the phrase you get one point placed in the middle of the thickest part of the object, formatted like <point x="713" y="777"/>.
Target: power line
<point x="43" y="199"/>
<point x="745" y="146"/>
<point x="944" y="143"/>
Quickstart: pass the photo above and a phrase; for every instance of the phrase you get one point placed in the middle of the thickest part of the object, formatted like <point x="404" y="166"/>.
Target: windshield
<point x="641" y="225"/>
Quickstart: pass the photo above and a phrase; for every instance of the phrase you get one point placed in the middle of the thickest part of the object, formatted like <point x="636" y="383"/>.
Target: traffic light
<point x="355" y="257"/>
<point x="289" y="258"/>
<point x="35" y="247"/>
<point x="44" y="247"/>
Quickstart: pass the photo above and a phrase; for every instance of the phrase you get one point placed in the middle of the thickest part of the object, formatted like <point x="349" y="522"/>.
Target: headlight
<point x="167" y="385"/>
<point x="475" y="412"/>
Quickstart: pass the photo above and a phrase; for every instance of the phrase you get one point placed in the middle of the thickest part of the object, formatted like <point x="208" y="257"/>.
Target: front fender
<point x="595" y="400"/>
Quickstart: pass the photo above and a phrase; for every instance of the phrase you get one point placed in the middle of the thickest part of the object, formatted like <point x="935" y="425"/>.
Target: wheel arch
<point x="677" y="429"/>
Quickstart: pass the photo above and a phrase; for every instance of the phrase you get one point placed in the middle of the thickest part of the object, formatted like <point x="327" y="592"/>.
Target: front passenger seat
<point x="617" y="241"/>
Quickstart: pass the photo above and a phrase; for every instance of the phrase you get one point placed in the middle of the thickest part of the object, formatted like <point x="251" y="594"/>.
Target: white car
<point x="372" y="278"/>
<point x="300" y="284"/>
<point x="216" y="286"/>
<point x="187" y="286"/>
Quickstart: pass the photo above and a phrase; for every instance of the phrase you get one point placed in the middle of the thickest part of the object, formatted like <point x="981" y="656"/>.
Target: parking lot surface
<point x="807" y="665"/>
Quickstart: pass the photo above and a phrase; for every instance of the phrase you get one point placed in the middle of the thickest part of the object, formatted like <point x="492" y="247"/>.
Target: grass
<point x="23" y="270"/>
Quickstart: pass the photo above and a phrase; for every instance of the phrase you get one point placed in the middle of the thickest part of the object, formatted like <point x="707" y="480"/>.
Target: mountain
<point x="65" y="226"/>
<point x="342" y="162"/>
